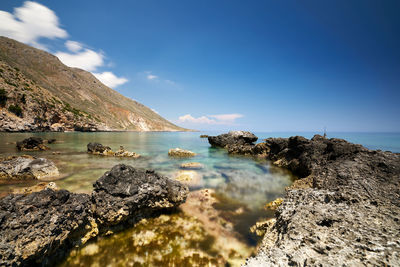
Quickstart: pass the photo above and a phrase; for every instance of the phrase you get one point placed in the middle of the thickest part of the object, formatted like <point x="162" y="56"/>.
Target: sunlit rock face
<point x="27" y="167"/>
<point x="126" y="194"/>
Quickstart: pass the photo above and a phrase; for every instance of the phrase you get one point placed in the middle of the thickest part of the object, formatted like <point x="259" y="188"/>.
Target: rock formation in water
<point x="40" y="228"/>
<point x="99" y="149"/>
<point x="32" y="144"/>
<point x="180" y="153"/>
<point x="39" y="93"/>
<point x="236" y="138"/>
<point x="343" y="209"/>
<point x="27" y="167"/>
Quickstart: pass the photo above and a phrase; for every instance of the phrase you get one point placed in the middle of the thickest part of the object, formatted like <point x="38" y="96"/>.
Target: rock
<point x="96" y="148"/>
<point x="31" y="144"/>
<point x="203" y="136"/>
<point x="233" y="139"/>
<point x="191" y="166"/>
<point x="123" y="153"/>
<point x="36" y="229"/>
<point x="27" y="167"/>
<point x="180" y="153"/>
<point x="40" y="228"/>
<point x="125" y="194"/>
<point x="189" y="177"/>
<point x="36" y="188"/>
<point x="51" y="141"/>
<point x="99" y="149"/>
<point x="273" y="205"/>
<point x="343" y="210"/>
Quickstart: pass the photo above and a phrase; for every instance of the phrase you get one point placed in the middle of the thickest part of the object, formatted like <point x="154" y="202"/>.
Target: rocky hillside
<point x="39" y="93"/>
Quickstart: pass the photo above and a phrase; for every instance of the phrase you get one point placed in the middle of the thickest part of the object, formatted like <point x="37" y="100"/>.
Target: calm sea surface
<point x="238" y="179"/>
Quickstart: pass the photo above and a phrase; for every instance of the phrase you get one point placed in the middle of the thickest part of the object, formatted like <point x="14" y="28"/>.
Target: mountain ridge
<point x="71" y="99"/>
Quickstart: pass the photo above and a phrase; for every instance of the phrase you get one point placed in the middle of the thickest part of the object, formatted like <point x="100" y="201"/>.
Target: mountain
<point x="39" y="93"/>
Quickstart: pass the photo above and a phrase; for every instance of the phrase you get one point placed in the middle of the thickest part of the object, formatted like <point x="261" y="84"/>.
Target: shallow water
<point x="240" y="183"/>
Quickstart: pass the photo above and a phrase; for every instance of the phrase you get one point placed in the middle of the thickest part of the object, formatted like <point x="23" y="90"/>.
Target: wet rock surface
<point x="31" y="144"/>
<point x="27" y="167"/>
<point x="41" y="227"/>
<point x="344" y="209"/>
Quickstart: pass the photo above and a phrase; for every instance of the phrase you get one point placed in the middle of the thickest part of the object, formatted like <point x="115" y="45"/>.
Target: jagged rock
<point x="180" y="153"/>
<point x="203" y="136"/>
<point x="40" y="228"/>
<point x="125" y="194"/>
<point x="191" y="166"/>
<point x="233" y="139"/>
<point x="96" y="148"/>
<point x="344" y="209"/>
<point x="27" y="167"/>
<point x="99" y="149"/>
<point x="31" y="144"/>
<point x="36" y="229"/>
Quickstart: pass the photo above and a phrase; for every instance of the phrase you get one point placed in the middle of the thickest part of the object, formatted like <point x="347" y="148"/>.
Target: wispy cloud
<point x="73" y="46"/>
<point x="151" y="77"/>
<point x="87" y="59"/>
<point x="109" y="79"/>
<point x="220" y="119"/>
<point x="33" y="21"/>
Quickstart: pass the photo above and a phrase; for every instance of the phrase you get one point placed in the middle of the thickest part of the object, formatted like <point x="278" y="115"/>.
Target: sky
<point x="230" y="65"/>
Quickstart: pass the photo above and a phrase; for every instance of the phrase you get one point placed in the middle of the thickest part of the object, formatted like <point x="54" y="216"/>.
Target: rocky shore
<point x="344" y="209"/>
<point x="40" y="228"/>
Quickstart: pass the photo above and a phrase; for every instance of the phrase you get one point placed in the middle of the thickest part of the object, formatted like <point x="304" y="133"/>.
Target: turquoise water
<point x="238" y="181"/>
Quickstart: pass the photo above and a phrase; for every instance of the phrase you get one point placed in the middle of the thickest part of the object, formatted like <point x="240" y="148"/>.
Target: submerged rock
<point x="344" y="209"/>
<point x="40" y="228"/>
<point x="36" y="188"/>
<point x="31" y="144"/>
<point x="27" y="167"/>
<point x="99" y="149"/>
<point x="180" y="153"/>
<point x="191" y="166"/>
<point x="203" y="136"/>
<point x="189" y="177"/>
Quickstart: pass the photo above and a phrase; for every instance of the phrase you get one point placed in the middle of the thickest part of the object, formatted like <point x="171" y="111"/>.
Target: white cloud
<point x="170" y="82"/>
<point x="73" y="46"/>
<point x="222" y="119"/>
<point x="87" y="59"/>
<point x="31" y="22"/>
<point x="151" y="77"/>
<point x="109" y="79"/>
<point x="227" y="117"/>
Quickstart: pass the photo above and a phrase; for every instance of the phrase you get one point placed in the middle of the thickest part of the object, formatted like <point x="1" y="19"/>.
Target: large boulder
<point x="37" y="229"/>
<point x="125" y="195"/>
<point x="31" y="144"/>
<point x="99" y="149"/>
<point x="233" y="138"/>
<point x="27" y="167"/>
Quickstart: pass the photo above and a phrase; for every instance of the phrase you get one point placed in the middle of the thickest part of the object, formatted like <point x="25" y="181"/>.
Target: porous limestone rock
<point x="31" y="144"/>
<point x="27" y="167"/>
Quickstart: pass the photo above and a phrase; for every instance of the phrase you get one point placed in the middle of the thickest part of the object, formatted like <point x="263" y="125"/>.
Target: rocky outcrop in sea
<point x="343" y="210"/>
<point x="32" y="144"/>
<point x="27" y="167"/>
<point x="40" y="228"/>
<point x="99" y="149"/>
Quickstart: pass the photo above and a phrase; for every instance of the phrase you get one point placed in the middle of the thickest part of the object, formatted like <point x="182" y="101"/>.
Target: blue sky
<point x="221" y="65"/>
